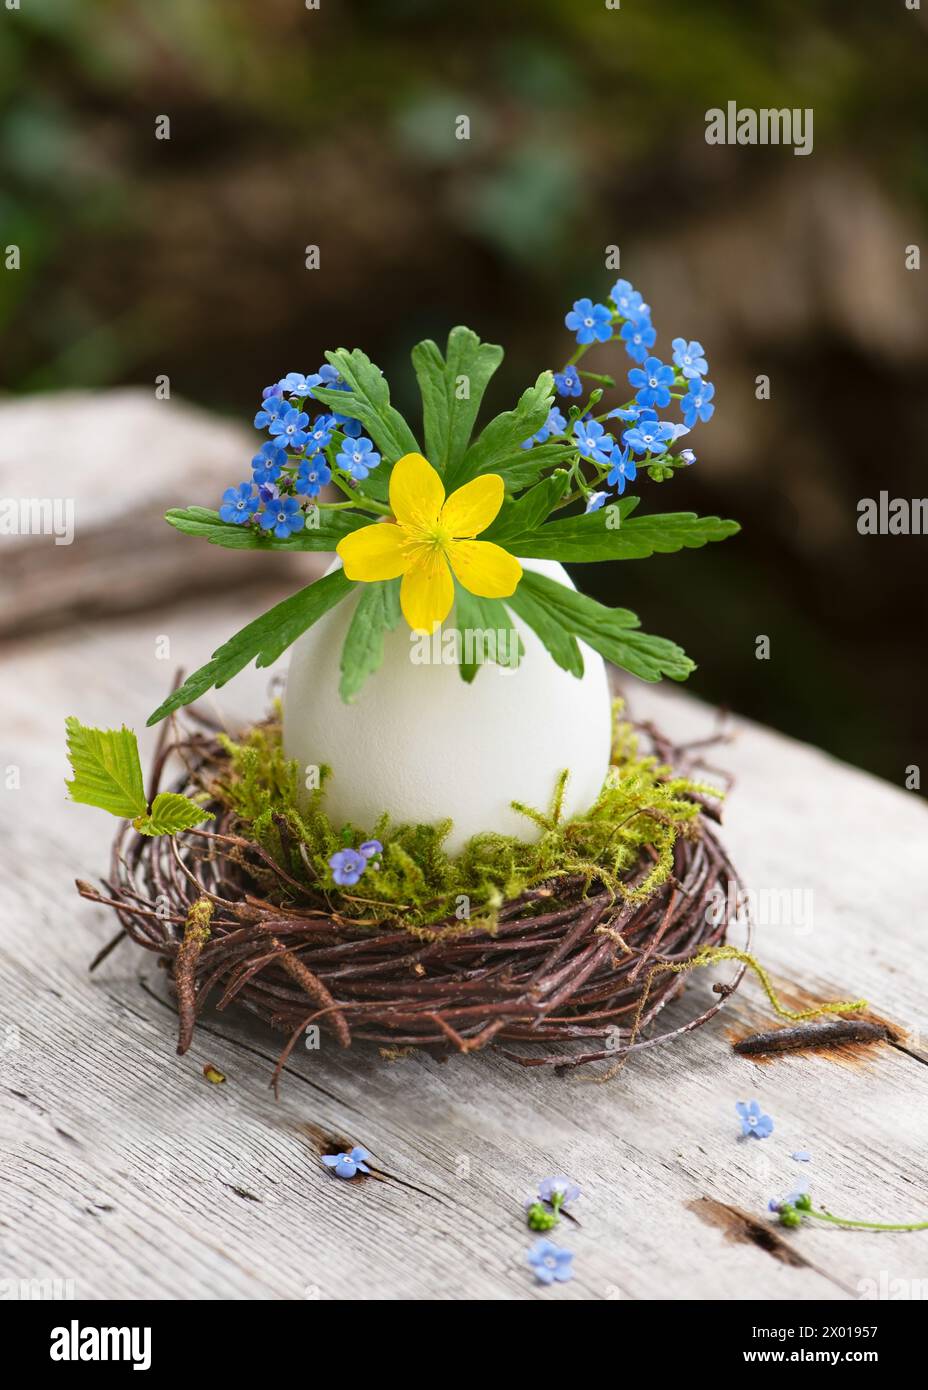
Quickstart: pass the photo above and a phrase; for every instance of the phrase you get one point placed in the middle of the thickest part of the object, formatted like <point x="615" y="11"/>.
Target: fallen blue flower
<point x="753" y="1120"/>
<point x="348" y="1164"/>
<point x="550" y="1263"/>
<point x="776" y="1203"/>
<point x="557" y="1192"/>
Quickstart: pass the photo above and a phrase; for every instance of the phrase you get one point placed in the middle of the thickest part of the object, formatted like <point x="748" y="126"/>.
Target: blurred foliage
<point x="336" y="126"/>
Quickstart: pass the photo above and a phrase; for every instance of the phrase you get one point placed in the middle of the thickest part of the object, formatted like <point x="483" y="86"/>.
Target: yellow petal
<point x="484" y="568"/>
<point x="473" y="506"/>
<point x="416" y="492"/>
<point x="374" y="552"/>
<point x="427" y="593"/>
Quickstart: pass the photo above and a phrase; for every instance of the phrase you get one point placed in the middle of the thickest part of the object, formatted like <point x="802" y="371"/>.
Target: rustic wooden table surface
<point x="126" y="1174"/>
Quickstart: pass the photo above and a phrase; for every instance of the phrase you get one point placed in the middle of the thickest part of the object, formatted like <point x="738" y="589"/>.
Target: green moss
<point x="641" y="810"/>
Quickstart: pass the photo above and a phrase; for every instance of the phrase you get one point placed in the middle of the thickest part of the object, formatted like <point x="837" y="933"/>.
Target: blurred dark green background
<point x="336" y="127"/>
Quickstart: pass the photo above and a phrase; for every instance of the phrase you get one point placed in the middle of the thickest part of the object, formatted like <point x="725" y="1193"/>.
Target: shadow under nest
<point x="576" y="965"/>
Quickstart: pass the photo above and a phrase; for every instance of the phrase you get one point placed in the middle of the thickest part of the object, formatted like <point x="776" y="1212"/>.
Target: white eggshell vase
<point x="421" y="744"/>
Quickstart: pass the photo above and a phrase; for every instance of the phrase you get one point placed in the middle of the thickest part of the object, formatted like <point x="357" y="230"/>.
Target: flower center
<point x="427" y="543"/>
<point x="437" y="538"/>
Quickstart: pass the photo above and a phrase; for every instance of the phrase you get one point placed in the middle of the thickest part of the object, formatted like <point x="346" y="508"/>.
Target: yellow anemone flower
<point x="430" y="535"/>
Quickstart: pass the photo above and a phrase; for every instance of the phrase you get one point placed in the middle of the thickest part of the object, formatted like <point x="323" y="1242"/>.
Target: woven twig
<point x="563" y="972"/>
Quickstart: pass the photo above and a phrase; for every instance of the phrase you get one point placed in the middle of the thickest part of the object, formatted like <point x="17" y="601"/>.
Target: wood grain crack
<point x="745" y="1228"/>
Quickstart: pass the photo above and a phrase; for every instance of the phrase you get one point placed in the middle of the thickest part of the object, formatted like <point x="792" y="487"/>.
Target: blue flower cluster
<point x="300" y="456"/>
<point x="646" y="440"/>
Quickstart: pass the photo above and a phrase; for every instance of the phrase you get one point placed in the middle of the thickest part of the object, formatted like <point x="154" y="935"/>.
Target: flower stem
<point x="359" y="500"/>
<point x="823" y="1215"/>
<point x="572" y="361"/>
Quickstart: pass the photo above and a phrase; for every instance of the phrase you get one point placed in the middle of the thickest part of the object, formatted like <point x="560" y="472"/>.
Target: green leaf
<point x="201" y="521"/>
<point x="108" y="775"/>
<point x="107" y="769"/>
<point x="547" y="624"/>
<point x="525" y="466"/>
<point x="368" y="400"/>
<point x="500" y="442"/>
<point x="575" y="539"/>
<point x="262" y="641"/>
<point x="613" y="632"/>
<point x="526" y="514"/>
<point x="476" y="619"/>
<point x="378" y="611"/>
<point x="171" y="812"/>
<point x="447" y="419"/>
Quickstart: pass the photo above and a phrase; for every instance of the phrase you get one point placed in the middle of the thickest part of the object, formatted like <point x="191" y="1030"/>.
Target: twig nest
<point x="419" y="740"/>
<point x="574" y="947"/>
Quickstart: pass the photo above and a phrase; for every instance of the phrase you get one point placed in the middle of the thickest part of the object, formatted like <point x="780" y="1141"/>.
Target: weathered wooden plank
<point x="125" y="459"/>
<point x="130" y="1174"/>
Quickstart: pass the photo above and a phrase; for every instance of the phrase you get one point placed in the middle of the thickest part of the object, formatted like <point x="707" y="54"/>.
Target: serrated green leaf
<point x="589" y="537"/>
<point x="377" y="612"/>
<point x="261" y="641"/>
<point x="107" y="769"/>
<point x="476" y="618"/>
<point x="170" y="813"/>
<point x="613" y="632"/>
<point x="368" y="400"/>
<point x="548" y="625"/>
<point x="524" y="467"/>
<point x="501" y="440"/>
<point x="526" y="513"/>
<point x="448" y="421"/>
<point x="203" y="522"/>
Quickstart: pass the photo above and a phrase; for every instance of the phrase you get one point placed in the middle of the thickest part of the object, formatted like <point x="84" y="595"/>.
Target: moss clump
<point x="640" y="812"/>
